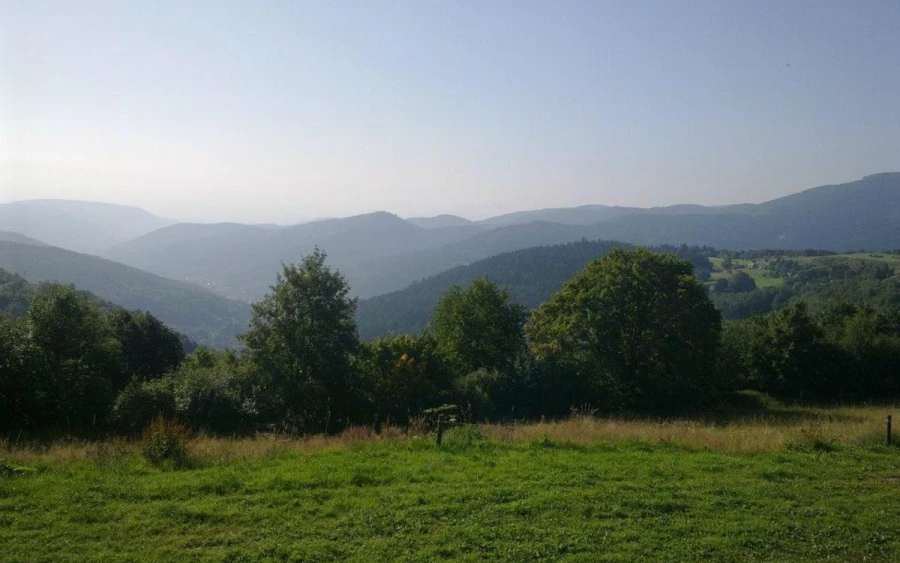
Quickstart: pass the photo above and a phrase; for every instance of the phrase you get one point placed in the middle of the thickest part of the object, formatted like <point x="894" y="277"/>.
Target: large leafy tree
<point x="149" y="348"/>
<point x="82" y="355"/>
<point x="637" y="327"/>
<point x="24" y="382"/>
<point x="478" y="327"/>
<point x="302" y="339"/>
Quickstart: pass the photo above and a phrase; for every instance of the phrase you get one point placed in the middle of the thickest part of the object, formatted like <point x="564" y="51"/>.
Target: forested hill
<point x="530" y="275"/>
<point x="203" y="316"/>
<point x="16" y="294"/>
<point x="741" y="284"/>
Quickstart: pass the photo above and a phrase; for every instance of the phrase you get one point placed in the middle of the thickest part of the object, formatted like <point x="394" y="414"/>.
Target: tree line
<point x="634" y="332"/>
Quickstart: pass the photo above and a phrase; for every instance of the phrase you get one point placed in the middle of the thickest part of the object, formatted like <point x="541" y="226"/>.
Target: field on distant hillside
<point x="791" y="485"/>
<point x="756" y="269"/>
<point x="760" y="269"/>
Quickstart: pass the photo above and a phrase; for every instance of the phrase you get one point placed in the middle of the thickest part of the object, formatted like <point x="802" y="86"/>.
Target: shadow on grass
<point x="750" y="406"/>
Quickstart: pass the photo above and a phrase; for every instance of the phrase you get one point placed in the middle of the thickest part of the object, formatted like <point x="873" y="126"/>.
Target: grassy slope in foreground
<point x="523" y="494"/>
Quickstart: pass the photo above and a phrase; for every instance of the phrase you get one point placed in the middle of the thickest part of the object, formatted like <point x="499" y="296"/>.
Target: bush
<point x="139" y="403"/>
<point x="475" y="391"/>
<point x="164" y="441"/>
<point x="217" y="399"/>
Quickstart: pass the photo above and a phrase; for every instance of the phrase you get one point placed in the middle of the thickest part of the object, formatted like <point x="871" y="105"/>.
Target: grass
<point x="762" y="276"/>
<point x="790" y="485"/>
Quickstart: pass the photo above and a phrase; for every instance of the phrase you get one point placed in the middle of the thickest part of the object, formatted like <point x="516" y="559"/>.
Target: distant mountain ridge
<point x="380" y="252"/>
<point x="240" y="261"/>
<point x="439" y="221"/>
<point x="77" y="225"/>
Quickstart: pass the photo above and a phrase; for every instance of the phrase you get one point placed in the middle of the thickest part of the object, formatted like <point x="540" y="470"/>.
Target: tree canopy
<point x="638" y="326"/>
<point x="478" y="327"/>
<point x="302" y="337"/>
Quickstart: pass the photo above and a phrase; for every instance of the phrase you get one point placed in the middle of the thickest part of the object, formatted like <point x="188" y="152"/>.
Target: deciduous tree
<point x="638" y="326"/>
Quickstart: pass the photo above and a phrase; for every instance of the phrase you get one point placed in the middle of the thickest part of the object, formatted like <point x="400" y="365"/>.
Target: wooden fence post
<point x="889" y="430"/>
<point x="440" y="429"/>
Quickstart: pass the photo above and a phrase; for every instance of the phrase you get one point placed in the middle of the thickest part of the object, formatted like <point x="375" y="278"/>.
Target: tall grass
<point x="771" y="430"/>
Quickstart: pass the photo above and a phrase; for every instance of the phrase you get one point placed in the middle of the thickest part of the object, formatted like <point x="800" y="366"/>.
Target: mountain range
<point x="381" y="253"/>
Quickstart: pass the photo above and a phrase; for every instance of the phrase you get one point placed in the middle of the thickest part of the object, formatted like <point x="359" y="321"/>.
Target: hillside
<point x="201" y="315"/>
<point x="380" y="252"/>
<point x="16" y="293"/>
<point x="818" y="278"/>
<point x="241" y="261"/>
<point x="81" y="226"/>
<point x="9" y="236"/>
<point x="530" y="275"/>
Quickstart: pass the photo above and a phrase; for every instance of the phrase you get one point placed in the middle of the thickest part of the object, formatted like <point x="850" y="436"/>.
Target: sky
<point x="286" y="111"/>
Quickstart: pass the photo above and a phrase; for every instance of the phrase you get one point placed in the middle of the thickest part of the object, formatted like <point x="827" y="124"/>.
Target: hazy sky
<point x="282" y="111"/>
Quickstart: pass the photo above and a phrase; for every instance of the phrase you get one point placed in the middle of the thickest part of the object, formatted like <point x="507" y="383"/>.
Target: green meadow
<point x="797" y="485"/>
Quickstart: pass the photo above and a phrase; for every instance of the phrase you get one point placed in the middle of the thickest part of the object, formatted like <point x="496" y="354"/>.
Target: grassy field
<point x="763" y="277"/>
<point x="790" y="485"/>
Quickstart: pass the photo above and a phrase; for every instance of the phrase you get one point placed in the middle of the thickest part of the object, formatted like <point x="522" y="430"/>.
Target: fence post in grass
<point x="889" y="430"/>
<point x="440" y="429"/>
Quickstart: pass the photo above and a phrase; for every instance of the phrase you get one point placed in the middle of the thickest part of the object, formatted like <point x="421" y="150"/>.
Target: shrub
<point x="475" y="391"/>
<point x="139" y="403"/>
<point x="164" y="441"/>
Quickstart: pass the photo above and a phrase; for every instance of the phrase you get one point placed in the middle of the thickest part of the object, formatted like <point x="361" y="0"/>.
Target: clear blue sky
<point x="282" y="111"/>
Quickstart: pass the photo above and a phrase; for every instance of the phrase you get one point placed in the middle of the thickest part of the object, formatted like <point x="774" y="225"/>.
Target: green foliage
<point x="478" y="392"/>
<point x="302" y="338"/>
<point x="164" y="440"/>
<point x="139" y="403"/>
<point x="478" y="327"/>
<point x="217" y="392"/>
<point x="741" y="282"/>
<point x="405" y="376"/>
<point x="15" y="293"/>
<point x="530" y="275"/>
<point x="65" y="364"/>
<point x="149" y="348"/>
<point x="638" y="327"/>
<point x="844" y="352"/>
<point x="462" y="437"/>
<point x="26" y="394"/>
<point x="82" y="355"/>
<point x="634" y="332"/>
